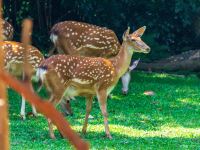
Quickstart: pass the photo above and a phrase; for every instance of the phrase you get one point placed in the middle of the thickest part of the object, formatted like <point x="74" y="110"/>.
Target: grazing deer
<point x="14" y="63"/>
<point x="69" y="76"/>
<point x="78" y="38"/>
<point x="126" y="78"/>
<point x="7" y="30"/>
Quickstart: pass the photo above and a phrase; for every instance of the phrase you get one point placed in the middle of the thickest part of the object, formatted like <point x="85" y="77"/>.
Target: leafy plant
<point x="173" y="26"/>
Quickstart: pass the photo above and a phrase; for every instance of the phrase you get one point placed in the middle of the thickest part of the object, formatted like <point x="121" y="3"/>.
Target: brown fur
<point x="8" y="30"/>
<point x="14" y="57"/>
<point x="84" y="39"/>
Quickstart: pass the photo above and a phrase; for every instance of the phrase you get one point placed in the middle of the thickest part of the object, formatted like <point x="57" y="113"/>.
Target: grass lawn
<point x="168" y="120"/>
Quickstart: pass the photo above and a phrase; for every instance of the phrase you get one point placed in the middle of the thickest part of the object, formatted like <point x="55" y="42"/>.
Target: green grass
<point x="168" y="120"/>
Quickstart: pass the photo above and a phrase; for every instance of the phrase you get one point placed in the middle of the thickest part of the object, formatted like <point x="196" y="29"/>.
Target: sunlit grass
<point x="165" y="131"/>
<point x="170" y="119"/>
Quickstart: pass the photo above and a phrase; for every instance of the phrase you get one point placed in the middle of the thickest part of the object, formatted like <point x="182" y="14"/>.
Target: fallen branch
<point x="186" y="61"/>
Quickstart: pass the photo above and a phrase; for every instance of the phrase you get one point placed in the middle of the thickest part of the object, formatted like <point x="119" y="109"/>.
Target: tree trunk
<point x="187" y="61"/>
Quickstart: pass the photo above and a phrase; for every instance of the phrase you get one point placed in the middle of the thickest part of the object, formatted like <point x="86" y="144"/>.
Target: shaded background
<point x="173" y="26"/>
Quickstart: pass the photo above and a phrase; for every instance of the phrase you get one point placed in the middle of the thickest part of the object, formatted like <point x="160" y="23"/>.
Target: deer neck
<point x="122" y="61"/>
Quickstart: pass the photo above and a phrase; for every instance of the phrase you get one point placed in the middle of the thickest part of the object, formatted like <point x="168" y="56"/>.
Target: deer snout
<point x="124" y="92"/>
<point x="66" y="108"/>
<point x="148" y="49"/>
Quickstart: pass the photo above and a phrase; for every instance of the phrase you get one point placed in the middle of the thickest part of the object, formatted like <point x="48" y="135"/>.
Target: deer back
<point x="14" y="56"/>
<point x="8" y="30"/>
<point x="84" y="39"/>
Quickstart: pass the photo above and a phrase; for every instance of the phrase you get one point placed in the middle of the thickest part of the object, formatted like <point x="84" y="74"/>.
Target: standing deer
<point x="69" y="76"/>
<point x="14" y="63"/>
<point x="127" y="77"/>
<point x="7" y="30"/>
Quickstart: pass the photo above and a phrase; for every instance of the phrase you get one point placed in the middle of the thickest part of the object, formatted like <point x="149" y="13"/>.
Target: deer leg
<point x="51" y="132"/>
<point x="102" y="98"/>
<point x="50" y="124"/>
<point x="22" y="112"/>
<point x="23" y="104"/>
<point x="34" y="111"/>
<point x="88" y="110"/>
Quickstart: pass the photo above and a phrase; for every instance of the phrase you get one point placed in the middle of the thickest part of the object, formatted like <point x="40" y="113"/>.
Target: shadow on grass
<point x="36" y="135"/>
<point x="97" y="140"/>
<point x="164" y="78"/>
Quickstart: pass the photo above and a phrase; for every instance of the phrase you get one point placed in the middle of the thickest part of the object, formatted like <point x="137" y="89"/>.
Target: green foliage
<point x="167" y="120"/>
<point x="173" y="26"/>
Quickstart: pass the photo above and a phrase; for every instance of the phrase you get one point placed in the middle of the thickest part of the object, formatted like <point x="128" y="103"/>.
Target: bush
<point x="172" y="25"/>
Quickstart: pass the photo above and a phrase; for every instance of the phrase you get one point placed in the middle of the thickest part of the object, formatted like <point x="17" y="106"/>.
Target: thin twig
<point x="26" y="39"/>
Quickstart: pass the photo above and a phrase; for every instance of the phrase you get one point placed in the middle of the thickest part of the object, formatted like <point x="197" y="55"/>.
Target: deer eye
<point x="133" y="39"/>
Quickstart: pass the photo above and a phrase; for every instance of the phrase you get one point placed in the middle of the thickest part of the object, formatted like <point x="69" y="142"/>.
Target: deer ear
<point x="139" y="32"/>
<point x="126" y="33"/>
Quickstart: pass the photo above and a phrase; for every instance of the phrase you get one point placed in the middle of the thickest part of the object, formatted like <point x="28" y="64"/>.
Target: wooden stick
<point x="47" y="109"/>
<point x="4" y="127"/>
<point x="26" y="40"/>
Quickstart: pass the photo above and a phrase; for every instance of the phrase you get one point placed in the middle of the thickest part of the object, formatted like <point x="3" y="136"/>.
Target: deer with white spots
<point x="14" y="63"/>
<point x="79" y="38"/>
<point x="69" y="76"/>
<point x="8" y="30"/>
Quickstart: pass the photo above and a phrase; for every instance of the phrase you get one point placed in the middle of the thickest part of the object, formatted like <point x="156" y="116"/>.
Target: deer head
<point x="135" y="42"/>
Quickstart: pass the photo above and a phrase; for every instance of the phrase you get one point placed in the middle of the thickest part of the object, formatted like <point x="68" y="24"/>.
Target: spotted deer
<point x="79" y="38"/>
<point x="8" y="30"/>
<point x="14" y="63"/>
<point x="69" y="76"/>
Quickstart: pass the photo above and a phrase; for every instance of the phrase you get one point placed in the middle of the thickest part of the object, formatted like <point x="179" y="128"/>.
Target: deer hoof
<point x="35" y="115"/>
<point x="125" y="92"/>
<point x="61" y="135"/>
<point x="53" y="137"/>
<point x="109" y="136"/>
<point x="110" y="96"/>
<point x="23" y="117"/>
<point x="32" y="114"/>
<point x="84" y="131"/>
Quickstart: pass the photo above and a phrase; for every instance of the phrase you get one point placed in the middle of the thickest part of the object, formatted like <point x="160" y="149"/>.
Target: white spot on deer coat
<point x="80" y="81"/>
